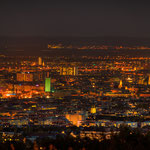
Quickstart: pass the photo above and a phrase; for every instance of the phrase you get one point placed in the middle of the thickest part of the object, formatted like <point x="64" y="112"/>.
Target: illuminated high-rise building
<point x="120" y="84"/>
<point x="48" y="85"/>
<point x="75" y="71"/>
<point x="39" y="61"/>
<point x="43" y="63"/>
<point x="149" y="79"/>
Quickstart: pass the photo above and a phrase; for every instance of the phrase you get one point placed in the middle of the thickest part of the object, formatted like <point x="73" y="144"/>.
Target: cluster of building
<point x="87" y="92"/>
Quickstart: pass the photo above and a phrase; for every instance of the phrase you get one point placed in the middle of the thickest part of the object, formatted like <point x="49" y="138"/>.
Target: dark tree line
<point x="126" y="139"/>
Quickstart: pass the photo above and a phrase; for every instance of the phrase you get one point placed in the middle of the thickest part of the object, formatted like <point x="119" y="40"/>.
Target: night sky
<point x="75" y="18"/>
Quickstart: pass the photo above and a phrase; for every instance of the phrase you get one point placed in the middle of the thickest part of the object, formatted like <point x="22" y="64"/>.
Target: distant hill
<point x="38" y="45"/>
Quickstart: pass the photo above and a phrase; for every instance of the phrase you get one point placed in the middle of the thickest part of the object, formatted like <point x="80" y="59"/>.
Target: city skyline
<point x="74" y="75"/>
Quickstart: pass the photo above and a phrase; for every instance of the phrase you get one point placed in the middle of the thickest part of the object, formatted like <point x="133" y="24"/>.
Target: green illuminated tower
<point x="48" y="85"/>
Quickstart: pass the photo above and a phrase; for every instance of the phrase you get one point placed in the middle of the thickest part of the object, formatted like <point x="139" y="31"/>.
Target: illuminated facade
<point x="76" y="119"/>
<point x="149" y="79"/>
<point x="27" y="77"/>
<point x="39" y="61"/>
<point x="48" y="85"/>
<point x="141" y="80"/>
<point x="69" y="71"/>
<point x="120" y="84"/>
<point x="93" y="110"/>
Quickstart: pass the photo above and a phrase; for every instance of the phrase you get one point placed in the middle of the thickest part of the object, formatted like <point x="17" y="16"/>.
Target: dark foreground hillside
<point x="127" y="139"/>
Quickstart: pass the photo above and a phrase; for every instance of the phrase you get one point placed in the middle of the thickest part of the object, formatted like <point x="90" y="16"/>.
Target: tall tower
<point x="43" y="63"/>
<point x="149" y="79"/>
<point x="75" y="71"/>
<point x="48" y="85"/>
<point x="39" y="61"/>
<point x="120" y="84"/>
